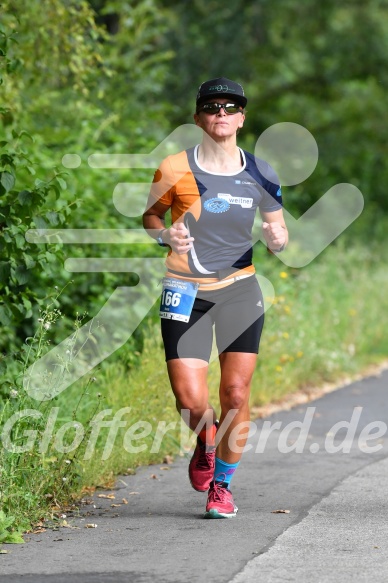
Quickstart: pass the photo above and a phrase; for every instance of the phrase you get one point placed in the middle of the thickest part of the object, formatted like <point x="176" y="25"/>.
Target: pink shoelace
<point x="219" y="494"/>
<point x="205" y="459"/>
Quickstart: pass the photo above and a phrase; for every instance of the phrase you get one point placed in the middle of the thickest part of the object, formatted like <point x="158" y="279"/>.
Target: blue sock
<point x="223" y="472"/>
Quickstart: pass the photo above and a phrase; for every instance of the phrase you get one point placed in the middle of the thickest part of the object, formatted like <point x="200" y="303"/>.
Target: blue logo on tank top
<point x="216" y="205"/>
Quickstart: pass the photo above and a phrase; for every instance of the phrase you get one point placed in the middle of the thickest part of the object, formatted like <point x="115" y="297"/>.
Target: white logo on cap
<point x="220" y="88"/>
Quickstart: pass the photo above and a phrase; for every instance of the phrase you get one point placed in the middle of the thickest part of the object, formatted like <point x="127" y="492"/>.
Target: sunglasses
<point x="213" y="108"/>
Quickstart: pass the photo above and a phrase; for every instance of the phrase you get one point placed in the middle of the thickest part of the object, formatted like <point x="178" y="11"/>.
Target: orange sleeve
<point x="163" y="185"/>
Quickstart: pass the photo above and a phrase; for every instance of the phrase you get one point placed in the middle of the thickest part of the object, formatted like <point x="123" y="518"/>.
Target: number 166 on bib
<point x="177" y="299"/>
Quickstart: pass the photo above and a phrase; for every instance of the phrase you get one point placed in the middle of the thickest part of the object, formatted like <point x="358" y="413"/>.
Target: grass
<point x="325" y="321"/>
<point x="53" y="449"/>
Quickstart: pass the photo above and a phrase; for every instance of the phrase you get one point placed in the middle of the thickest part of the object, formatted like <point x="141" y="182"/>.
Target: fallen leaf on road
<point x="115" y="505"/>
<point x="109" y="496"/>
<point x="91" y="525"/>
<point x="3" y="552"/>
<point x="88" y="489"/>
<point x="132" y="493"/>
<point x="154" y="477"/>
<point x="125" y="501"/>
<point x="164" y="468"/>
<point x="168" y="459"/>
<point x="280" y="511"/>
<point x="38" y="530"/>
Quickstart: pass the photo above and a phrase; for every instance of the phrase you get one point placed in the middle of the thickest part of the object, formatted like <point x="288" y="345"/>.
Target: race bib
<point x="177" y="299"/>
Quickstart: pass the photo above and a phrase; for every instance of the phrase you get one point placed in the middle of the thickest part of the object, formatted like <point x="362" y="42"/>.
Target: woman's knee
<point x="234" y="396"/>
<point x="189" y="385"/>
<point x="194" y="401"/>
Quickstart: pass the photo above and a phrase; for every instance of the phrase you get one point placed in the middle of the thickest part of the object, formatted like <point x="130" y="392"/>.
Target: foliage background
<point x="112" y="76"/>
<point x="79" y="77"/>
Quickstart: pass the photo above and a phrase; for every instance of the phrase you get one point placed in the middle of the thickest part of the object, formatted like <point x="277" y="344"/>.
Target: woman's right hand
<point x="177" y="237"/>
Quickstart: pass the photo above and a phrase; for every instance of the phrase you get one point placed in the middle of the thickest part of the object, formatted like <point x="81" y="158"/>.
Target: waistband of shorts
<point x="216" y="276"/>
<point x="228" y="281"/>
<point x="203" y="286"/>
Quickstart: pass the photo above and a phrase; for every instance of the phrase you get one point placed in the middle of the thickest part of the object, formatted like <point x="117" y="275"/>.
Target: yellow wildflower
<point x="299" y="354"/>
<point x="283" y="274"/>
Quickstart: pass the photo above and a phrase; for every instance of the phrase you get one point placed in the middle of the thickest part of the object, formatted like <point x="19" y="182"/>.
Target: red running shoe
<point x="201" y="466"/>
<point x="220" y="502"/>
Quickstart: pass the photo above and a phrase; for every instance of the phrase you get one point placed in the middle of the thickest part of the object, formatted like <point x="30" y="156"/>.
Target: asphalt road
<point x="334" y="488"/>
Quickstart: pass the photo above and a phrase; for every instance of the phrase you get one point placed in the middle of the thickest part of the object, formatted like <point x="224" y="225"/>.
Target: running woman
<point x="213" y="192"/>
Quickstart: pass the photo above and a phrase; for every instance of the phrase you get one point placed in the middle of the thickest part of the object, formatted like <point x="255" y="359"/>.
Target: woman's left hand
<point x="275" y="235"/>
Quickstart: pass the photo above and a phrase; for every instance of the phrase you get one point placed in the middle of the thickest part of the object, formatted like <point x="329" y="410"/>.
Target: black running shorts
<point x="237" y="313"/>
